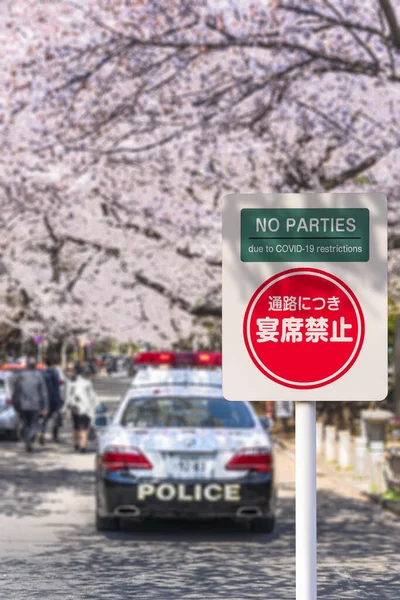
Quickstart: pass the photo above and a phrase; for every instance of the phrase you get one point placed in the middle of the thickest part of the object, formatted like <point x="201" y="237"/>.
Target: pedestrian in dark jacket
<point x="52" y="380"/>
<point x="30" y="400"/>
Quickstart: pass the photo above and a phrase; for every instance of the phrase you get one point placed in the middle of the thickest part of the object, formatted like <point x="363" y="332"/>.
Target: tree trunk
<point x="63" y="353"/>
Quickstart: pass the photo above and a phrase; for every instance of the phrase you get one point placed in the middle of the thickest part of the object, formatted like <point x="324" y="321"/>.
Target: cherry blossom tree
<point x="128" y="120"/>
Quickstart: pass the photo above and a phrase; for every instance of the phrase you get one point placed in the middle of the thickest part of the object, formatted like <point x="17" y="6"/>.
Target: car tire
<point x="107" y="523"/>
<point x="264" y="525"/>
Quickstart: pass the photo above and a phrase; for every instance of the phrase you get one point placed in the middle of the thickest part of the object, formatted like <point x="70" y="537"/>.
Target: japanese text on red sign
<point x="293" y="303"/>
<point x="295" y="329"/>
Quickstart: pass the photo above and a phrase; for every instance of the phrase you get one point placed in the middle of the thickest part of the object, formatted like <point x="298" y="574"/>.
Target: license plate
<point x="183" y="467"/>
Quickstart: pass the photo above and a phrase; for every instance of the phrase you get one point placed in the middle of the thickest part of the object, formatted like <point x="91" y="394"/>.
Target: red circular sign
<point x="304" y="328"/>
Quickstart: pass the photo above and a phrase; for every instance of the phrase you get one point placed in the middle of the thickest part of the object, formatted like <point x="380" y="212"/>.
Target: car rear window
<point x="186" y="412"/>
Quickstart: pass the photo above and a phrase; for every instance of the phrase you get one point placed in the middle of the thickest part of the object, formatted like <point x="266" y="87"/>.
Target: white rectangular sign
<point x="304" y="284"/>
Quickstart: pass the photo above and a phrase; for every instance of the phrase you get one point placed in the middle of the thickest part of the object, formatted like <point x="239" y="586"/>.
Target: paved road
<point x="112" y="389"/>
<point x="49" y="548"/>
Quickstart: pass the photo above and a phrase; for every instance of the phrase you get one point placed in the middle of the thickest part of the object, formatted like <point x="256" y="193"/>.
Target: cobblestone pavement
<point x="50" y="549"/>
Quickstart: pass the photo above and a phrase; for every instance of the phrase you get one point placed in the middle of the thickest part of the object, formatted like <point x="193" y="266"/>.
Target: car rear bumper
<point x="242" y="499"/>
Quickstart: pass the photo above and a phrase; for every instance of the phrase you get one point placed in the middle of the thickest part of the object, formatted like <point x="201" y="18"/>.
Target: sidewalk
<point x="329" y="476"/>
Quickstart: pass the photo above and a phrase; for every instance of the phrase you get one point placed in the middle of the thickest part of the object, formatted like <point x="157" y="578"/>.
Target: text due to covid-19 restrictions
<point x="304" y="234"/>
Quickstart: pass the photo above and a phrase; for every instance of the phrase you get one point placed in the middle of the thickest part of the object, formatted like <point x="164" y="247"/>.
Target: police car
<point x="177" y="448"/>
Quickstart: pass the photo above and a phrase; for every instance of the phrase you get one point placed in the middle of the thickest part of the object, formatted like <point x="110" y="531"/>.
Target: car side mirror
<point x="101" y="417"/>
<point x="266" y="423"/>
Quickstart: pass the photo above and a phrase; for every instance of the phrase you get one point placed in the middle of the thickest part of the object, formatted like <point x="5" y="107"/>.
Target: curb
<point x="281" y="444"/>
<point x="285" y="448"/>
<point x="289" y="450"/>
<point x="389" y="505"/>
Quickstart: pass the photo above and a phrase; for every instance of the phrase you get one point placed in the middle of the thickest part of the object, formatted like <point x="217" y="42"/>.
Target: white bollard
<point x="319" y="437"/>
<point x="363" y="429"/>
<point x="344" y="449"/>
<point x="330" y="443"/>
<point x="360" y="456"/>
<point x="379" y="476"/>
<point x="377" y="453"/>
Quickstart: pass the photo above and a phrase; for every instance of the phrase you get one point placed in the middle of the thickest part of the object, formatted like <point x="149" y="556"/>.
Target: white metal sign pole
<point x="306" y="502"/>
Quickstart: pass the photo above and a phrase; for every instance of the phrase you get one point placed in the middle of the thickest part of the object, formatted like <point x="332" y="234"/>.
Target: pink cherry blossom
<point x="123" y="124"/>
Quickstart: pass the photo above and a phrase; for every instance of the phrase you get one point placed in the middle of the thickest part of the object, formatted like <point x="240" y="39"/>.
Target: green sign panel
<point x="304" y="235"/>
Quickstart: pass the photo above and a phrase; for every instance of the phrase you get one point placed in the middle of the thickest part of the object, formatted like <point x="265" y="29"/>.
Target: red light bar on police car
<point x="175" y="359"/>
<point x="203" y="357"/>
<point x="208" y="358"/>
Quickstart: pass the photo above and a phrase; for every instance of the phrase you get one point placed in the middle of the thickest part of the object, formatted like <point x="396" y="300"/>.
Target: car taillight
<point x="9" y="401"/>
<point x="251" y="459"/>
<point x="61" y="382"/>
<point x="117" y="458"/>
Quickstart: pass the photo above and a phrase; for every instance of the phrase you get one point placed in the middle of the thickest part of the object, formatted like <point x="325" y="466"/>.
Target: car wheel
<point x="107" y="523"/>
<point x="264" y="525"/>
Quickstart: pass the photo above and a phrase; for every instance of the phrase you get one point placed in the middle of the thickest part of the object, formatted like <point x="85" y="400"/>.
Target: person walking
<point x="52" y="380"/>
<point x="30" y="400"/>
<point x="81" y="401"/>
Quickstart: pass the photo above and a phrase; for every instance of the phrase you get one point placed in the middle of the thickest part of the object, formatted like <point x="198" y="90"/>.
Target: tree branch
<point x="201" y="310"/>
<point x="338" y="180"/>
<point x="391" y="19"/>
